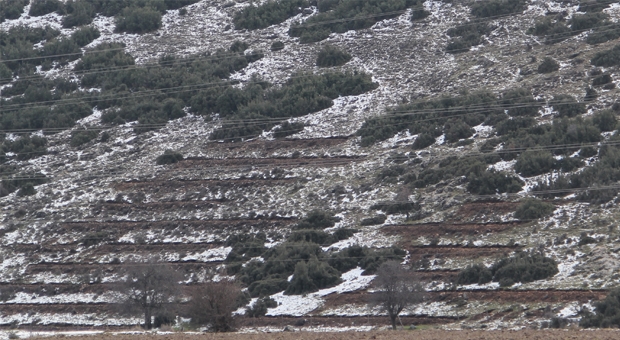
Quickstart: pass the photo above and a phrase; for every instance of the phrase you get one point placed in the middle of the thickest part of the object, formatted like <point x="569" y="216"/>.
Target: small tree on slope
<point x="397" y="289"/>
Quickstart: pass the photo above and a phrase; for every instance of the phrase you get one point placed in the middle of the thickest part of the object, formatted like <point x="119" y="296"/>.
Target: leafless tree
<point x="213" y="304"/>
<point x="150" y="287"/>
<point x="397" y="288"/>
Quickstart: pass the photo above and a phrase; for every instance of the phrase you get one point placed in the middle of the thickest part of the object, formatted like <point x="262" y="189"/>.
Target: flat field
<point x="375" y="335"/>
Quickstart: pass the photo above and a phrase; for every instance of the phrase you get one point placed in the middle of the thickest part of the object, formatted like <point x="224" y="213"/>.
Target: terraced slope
<point x="433" y="151"/>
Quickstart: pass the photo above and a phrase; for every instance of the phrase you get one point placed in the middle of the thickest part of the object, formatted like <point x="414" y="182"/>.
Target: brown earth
<point x="279" y="162"/>
<point x="164" y="184"/>
<point x="267" y="145"/>
<point x="417" y="252"/>
<point x="410" y="231"/>
<point x="430" y="334"/>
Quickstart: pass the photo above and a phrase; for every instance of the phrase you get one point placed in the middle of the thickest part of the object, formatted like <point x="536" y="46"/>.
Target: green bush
<point x="602" y="80"/>
<point x="493" y="8"/>
<point x="12" y="9"/>
<point x="606" y="313"/>
<point x="582" y="22"/>
<point x="465" y="36"/>
<point x="20" y="181"/>
<point x="548" y="65"/>
<point x="277" y="46"/>
<point x="423" y="140"/>
<point x="270" y="13"/>
<point x="334" y="17"/>
<point x="6" y="76"/>
<point x="531" y="209"/>
<point x="79" y="13"/>
<point x="607" y="58"/>
<point x="301" y="95"/>
<point x="259" y="308"/>
<point x="552" y="30"/>
<point x="492" y="182"/>
<point x="238" y="46"/>
<point x="419" y="13"/>
<point x="27" y="190"/>
<point x="567" y="106"/>
<point x="27" y="147"/>
<point x="169" y="157"/>
<point x="520" y="103"/>
<point x="138" y="20"/>
<point x="85" y="35"/>
<point x="605" y="120"/>
<point x="533" y="163"/>
<point x="523" y="267"/>
<point x="81" y="137"/>
<point x="267" y="287"/>
<point x="473" y="274"/>
<point x="378" y="219"/>
<point x="473" y="108"/>
<point x="456" y="129"/>
<point x="317" y="219"/>
<point x="330" y="56"/>
<point x="312" y="276"/>
<point x="604" y="33"/>
<point x="43" y="7"/>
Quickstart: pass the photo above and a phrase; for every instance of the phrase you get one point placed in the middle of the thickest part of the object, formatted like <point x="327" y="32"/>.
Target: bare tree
<point x="213" y="304"/>
<point x="397" y="288"/>
<point x="150" y="287"/>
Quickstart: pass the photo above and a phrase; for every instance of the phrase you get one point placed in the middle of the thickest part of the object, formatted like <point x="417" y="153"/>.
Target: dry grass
<point x="375" y="335"/>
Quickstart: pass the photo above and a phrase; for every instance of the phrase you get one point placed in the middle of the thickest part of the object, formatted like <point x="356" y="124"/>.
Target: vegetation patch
<point x="330" y="56"/>
<point x="269" y="13"/>
<point x="466" y="36"/>
<point x="81" y="137"/>
<point x="523" y="267"/>
<point x="494" y="8"/>
<point x="339" y="16"/>
<point x="531" y="209"/>
<point x="606" y="313"/>
<point x="300" y="255"/>
<point x="548" y="65"/>
<point x="607" y="58"/>
<point x="169" y="157"/>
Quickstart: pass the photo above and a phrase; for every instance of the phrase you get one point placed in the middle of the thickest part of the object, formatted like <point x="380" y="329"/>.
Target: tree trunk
<point x="393" y="318"/>
<point x="147" y="319"/>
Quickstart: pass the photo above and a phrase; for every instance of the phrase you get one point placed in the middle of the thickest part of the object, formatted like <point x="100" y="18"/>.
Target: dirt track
<point x="377" y="335"/>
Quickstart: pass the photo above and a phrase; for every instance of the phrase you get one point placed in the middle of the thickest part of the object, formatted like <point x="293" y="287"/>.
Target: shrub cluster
<point x="339" y="16"/>
<point x="269" y="13"/>
<point x="169" y="157"/>
<point x="302" y="257"/>
<point x="288" y="129"/>
<point x="138" y="20"/>
<point x="330" y="56"/>
<point x="304" y="93"/>
<point x="43" y="7"/>
<point x="606" y="313"/>
<point x="607" y="58"/>
<point x="548" y="65"/>
<point x="604" y="172"/>
<point x="554" y="30"/>
<point x="22" y="181"/>
<point x="523" y="267"/>
<point x="480" y="180"/>
<point x="81" y="137"/>
<point x="12" y="9"/>
<point x="466" y="35"/>
<point x="435" y="117"/>
<point x="132" y="16"/>
<point x="494" y="8"/>
<point x="531" y="209"/>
